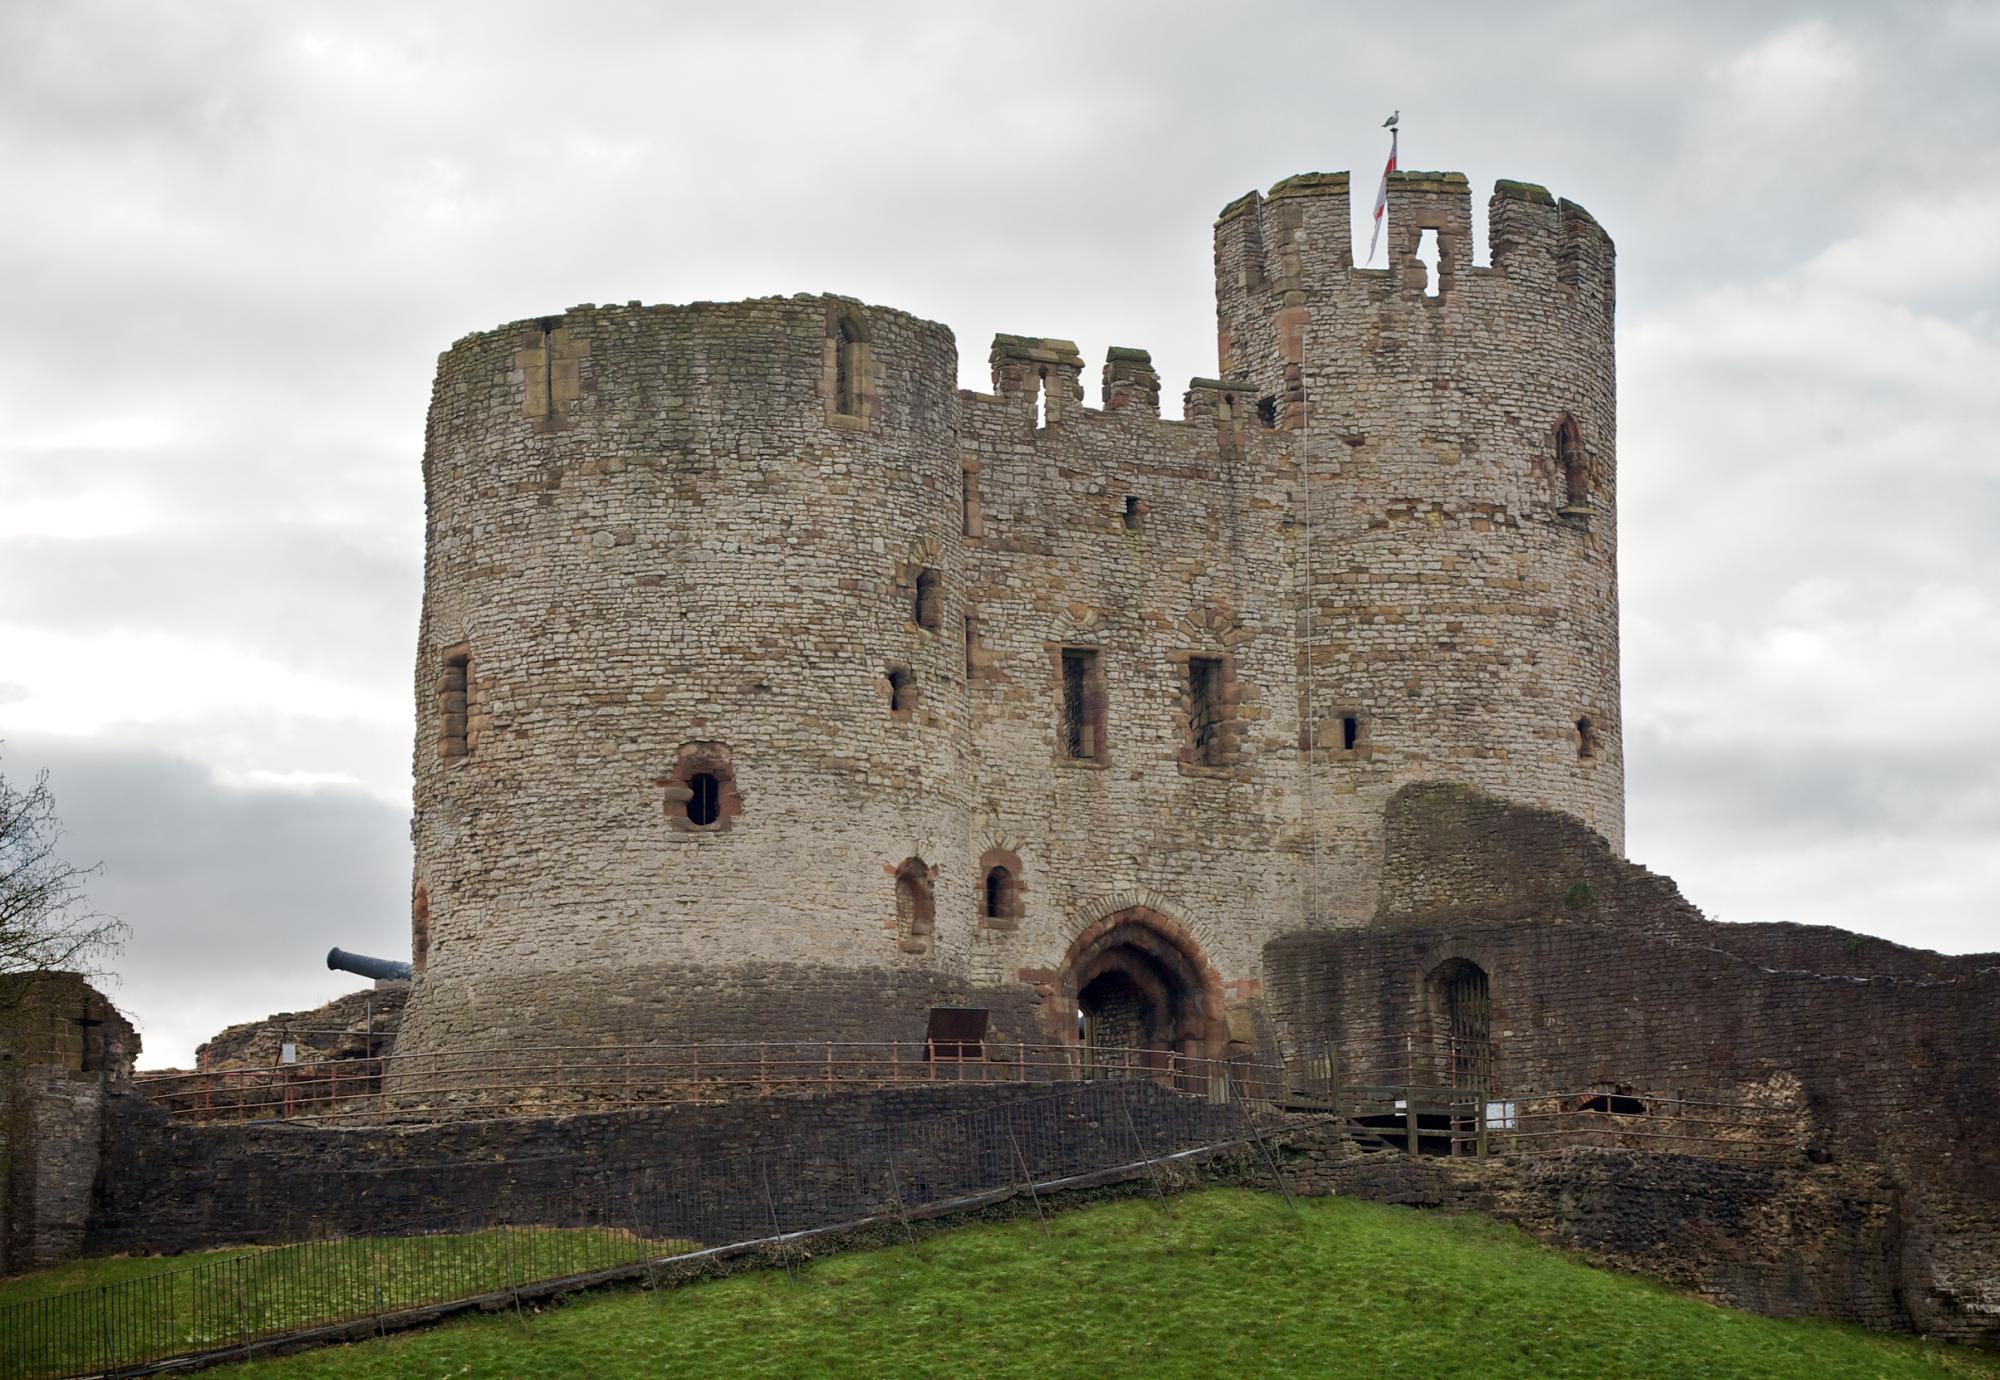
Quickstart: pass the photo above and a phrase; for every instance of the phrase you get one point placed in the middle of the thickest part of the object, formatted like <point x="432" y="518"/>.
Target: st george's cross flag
<point x="1382" y="192"/>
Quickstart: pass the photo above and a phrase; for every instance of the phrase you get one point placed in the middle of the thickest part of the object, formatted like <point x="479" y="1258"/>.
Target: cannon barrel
<point x="378" y="968"/>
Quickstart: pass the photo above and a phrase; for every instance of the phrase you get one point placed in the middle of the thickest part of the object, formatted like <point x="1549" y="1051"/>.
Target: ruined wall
<point x="742" y="649"/>
<point x="355" y="1026"/>
<point x="66" y="1053"/>
<point x="1786" y="1240"/>
<point x="1601" y="975"/>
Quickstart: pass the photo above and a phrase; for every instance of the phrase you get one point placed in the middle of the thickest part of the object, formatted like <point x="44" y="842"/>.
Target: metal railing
<point x="1395" y="1090"/>
<point x="652" y="1221"/>
<point x="527" y="1080"/>
<point x="1667" y="1123"/>
<point x="1403" y="1100"/>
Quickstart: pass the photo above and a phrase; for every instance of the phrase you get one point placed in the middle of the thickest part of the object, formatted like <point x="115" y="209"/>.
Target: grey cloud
<point x="1818" y="787"/>
<point x="317" y="599"/>
<point x="257" y="226"/>
<point x="233" y="894"/>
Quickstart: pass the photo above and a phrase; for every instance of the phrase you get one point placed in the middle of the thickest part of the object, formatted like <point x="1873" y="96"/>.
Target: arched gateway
<point x="1139" y="981"/>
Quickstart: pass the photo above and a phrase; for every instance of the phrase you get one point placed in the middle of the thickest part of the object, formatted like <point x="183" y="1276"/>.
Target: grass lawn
<point x="1233" y="1286"/>
<point x="160" y="1306"/>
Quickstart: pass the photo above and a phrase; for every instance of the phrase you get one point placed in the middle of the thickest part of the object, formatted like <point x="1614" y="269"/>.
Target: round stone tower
<point x="654" y="615"/>
<point x="771" y="687"/>
<point x="1460" y="433"/>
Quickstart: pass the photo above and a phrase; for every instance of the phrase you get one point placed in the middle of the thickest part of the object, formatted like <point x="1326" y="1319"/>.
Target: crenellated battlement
<point x="1298" y="236"/>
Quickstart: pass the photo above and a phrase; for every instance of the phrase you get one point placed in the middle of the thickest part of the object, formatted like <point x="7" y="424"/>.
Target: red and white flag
<point x="1382" y="193"/>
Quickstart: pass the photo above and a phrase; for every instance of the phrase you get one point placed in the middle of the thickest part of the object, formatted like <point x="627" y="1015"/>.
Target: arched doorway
<point x="1137" y="989"/>
<point x="1461" y="1011"/>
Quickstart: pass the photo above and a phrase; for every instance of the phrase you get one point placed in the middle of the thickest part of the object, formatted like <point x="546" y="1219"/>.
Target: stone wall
<point x="768" y="551"/>
<point x="697" y="1172"/>
<point x="354" y="1026"/>
<point x="1792" y="1240"/>
<point x="1789" y="1239"/>
<point x="1602" y="976"/>
<point x="65" y="1054"/>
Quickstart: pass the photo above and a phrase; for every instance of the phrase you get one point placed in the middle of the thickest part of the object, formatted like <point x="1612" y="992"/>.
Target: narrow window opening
<point x="1205" y="710"/>
<point x="1572" y="471"/>
<point x="999" y="894"/>
<point x="915" y="915"/>
<point x="1082" y="705"/>
<point x="930" y="599"/>
<point x="1586" y="738"/>
<point x="453" y="688"/>
<point x="1350" y="731"/>
<point x="971" y="646"/>
<point x="90" y="1040"/>
<point x="548" y="370"/>
<point x="1042" y="400"/>
<point x="846" y="370"/>
<point x="968" y="504"/>
<point x="1267" y="413"/>
<point x="420" y="927"/>
<point x="902" y="690"/>
<point x="705" y="802"/>
<point x="1427" y="255"/>
<point x="1134" y="515"/>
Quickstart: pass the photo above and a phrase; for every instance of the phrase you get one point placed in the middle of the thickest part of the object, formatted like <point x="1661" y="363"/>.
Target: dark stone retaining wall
<point x="1790" y="1240"/>
<point x="1833" y="1240"/>
<point x="690" y="1172"/>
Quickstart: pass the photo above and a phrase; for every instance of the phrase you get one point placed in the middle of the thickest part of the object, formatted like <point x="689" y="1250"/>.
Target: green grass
<point x="161" y="1306"/>
<point x="1233" y="1286"/>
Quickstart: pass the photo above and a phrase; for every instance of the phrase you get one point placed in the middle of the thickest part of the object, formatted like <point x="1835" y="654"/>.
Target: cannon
<point x="381" y="969"/>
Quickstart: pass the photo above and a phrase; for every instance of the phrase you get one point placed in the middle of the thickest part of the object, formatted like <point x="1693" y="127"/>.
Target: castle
<point x="769" y="685"/>
<point x="772" y="688"/>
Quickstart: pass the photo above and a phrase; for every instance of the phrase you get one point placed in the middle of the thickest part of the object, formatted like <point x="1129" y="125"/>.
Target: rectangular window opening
<point x="1350" y="731"/>
<point x="1428" y="254"/>
<point x="1205" y="709"/>
<point x="453" y="690"/>
<point x="1082" y="705"/>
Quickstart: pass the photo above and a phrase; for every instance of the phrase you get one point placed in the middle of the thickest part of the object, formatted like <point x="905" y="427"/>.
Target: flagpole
<point x="1382" y="190"/>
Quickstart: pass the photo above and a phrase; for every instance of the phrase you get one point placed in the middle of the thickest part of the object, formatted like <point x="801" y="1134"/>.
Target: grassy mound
<point x="1232" y="1285"/>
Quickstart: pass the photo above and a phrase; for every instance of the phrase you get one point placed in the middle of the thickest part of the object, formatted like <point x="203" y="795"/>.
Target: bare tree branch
<point x="46" y="919"/>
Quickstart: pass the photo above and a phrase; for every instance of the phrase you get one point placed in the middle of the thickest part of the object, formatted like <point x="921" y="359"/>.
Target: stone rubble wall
<point x="1602" y="976"/>
<point x="1787" y="1240"/>
<point x="65" y="1052"/>
<point x="354" y="1026"/>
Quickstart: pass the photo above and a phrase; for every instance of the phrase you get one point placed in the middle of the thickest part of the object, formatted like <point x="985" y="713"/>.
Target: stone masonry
<point x="771" y="686"/>
<point x="66" y="1055"/>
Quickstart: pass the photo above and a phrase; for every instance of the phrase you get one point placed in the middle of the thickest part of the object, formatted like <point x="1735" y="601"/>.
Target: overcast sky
<point x="236" y="237"/>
